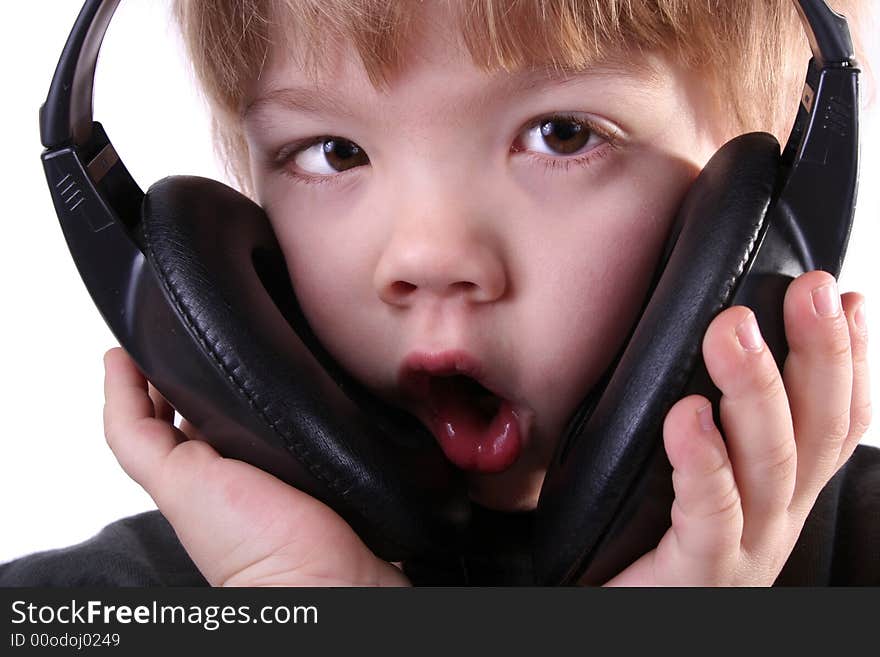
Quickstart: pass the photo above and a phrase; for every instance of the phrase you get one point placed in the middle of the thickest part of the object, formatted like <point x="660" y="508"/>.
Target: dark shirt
<point x="839" y="545"/>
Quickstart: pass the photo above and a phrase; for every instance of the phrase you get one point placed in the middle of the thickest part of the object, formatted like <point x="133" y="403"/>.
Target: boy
<point x="361" y="126"/>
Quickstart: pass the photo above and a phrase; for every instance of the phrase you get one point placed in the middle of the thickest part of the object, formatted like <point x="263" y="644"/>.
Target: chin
<point x="515" y="489"/>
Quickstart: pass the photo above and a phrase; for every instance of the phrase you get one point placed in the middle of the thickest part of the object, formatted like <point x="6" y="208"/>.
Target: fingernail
<point x="749" y="335"/>
<point x="704" y="417"/>
<point x="826" y="300"/>
<point x="861" y="320"/>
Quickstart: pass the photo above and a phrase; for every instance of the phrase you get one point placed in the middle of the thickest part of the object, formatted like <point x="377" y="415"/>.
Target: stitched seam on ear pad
<point x="210" y="346"/>
<point x="302" y="454"/>
<point x="733" y="280"/>
<point x="685" y="372"/>
<point x="726" y="291"/>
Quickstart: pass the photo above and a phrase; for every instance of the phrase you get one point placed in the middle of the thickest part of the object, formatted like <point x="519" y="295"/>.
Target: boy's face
<point x="460" y="212"/>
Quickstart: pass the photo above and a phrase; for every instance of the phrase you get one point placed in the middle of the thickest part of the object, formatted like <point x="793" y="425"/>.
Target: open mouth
<point x="476" y="429"/>
<point x="485" y="403"/>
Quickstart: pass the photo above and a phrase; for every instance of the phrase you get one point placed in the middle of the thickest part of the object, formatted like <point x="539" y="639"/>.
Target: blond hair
<point x="753" y="53"/>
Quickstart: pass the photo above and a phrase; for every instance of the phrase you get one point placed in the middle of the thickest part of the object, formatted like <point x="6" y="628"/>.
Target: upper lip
<point x="419" y="366"/>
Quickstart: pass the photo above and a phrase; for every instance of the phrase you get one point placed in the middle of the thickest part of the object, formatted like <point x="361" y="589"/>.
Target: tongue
<point x="470" y="439"/>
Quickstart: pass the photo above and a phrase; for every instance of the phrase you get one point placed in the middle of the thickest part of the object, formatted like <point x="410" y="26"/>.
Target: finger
<point x="860" y="405"/>
<point x="756" y="419"/>
<point x="707" y="518"/>
<point x="163" y="410"/>
<point x="702" y="545"/>
<point x="818" y="377"/>
<point x="139" y="441"/>
<point x="121" y="372"/>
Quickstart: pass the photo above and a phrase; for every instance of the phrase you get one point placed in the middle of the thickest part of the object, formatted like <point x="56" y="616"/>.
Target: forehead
<point x="322" y="74"/>
<point x="438" y="79"/>
<point x="347" y="97"/>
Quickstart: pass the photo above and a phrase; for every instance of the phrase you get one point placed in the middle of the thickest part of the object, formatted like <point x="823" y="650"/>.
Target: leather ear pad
<point x="607" y="495"/>
<point x="275" y="398"/>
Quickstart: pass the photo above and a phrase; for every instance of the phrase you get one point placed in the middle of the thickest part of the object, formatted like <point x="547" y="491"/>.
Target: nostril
<point x="463" y="286"/>
<point x="402" y="288"/>
<point x="401" y="291"/>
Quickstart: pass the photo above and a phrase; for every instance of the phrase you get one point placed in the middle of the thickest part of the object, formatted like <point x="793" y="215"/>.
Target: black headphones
<point x="192" y="283"/>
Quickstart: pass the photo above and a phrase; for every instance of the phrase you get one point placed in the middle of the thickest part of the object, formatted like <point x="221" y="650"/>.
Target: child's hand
<point x="240" y="525"/>
<point x="739" y="508"/>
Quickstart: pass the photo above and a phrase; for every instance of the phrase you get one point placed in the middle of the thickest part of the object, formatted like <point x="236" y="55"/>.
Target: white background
<point x="59" y="483"/>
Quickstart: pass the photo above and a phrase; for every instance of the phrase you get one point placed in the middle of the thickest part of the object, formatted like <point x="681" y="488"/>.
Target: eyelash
<point x="551" y="164"/>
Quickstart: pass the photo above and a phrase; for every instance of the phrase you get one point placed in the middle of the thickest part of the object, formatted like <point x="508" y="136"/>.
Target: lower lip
<point x="473" y="445"/>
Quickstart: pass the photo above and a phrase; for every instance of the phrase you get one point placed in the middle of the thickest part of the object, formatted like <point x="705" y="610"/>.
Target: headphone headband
<point x="66" y="117"/>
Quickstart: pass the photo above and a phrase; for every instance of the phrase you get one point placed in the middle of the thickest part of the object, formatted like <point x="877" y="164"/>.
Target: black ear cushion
<point x="216" y="256"/>
<point x="592" y="514"/>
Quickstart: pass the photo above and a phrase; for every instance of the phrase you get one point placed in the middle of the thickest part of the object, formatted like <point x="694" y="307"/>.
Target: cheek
<point x="329" y="260"/>
<point x="586" y="317"/>
<point x="593" y="272"/>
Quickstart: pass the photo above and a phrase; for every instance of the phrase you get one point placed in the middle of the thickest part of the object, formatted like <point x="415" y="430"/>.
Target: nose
<point x="442" y="257"/>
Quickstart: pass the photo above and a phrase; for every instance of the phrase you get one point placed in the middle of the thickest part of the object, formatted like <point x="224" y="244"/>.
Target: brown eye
<point x="330" y="156"/>
<point x="342" y="154"/>
<point x="565" y="136"/>
<point x="561" y="135"/>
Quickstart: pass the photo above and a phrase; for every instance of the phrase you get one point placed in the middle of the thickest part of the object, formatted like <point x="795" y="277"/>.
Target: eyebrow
<point x="317" y="101"/>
